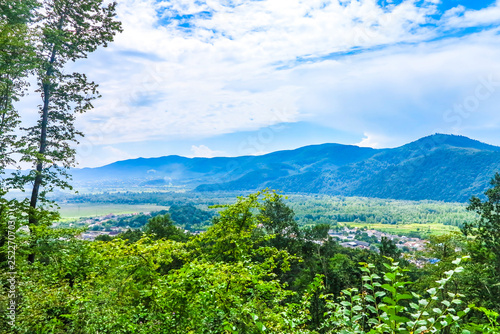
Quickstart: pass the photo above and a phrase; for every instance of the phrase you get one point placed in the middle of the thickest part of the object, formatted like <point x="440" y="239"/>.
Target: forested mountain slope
<point x="192" y="172"/>
<point x="437" y="167"/>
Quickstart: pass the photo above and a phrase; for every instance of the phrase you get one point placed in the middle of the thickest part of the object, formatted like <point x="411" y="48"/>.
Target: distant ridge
<point x="437" y="167"/>
<point x="439" y="139"/>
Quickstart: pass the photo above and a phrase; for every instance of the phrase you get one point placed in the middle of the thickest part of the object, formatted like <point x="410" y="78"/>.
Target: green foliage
<point x="230" y="279"/>
<point x="484" y="246"/>
<point x="189" y="216"/>
<point x="162" y="227"/>
<point x="130" y="235"/>
<point x="232" y="237"/>
<point x="382" y="212"/>
<point x="160" y="286"/>
<point x="397" y="216"/>
<point x="67" y="31"/>
<point x="16" y="63"/>
<point x="491" y="327"/>
<point x="317" y="232"/>
<point x="388" y="248"/>
<point x="276" y="220"/>
<point x="386" y="305"/>
<point x="135" y="221"/>
<point x="104" y="237"/>
<point x="487" y="228"/>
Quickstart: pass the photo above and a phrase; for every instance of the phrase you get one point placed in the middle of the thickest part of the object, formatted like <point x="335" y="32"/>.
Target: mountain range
<point x="438" y="167"/>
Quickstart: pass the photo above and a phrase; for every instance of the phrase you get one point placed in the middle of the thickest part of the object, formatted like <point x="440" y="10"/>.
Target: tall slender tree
<point x="17" y="61"/>
<point x="68" y="30"/>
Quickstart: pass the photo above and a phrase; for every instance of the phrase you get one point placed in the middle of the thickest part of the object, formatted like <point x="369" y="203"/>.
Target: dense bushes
<point x="253" y="271"/>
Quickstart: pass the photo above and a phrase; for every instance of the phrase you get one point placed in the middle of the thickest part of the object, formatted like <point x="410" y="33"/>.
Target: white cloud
<point x="379" y="141"/>
<point x="405" y="93"/>
<point x="459" y="17"/>
<point x="164" y="81"/>
<point x="203" y="151"/>
<point x="375" y="141"/>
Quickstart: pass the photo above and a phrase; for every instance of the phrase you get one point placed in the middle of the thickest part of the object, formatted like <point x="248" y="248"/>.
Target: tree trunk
<point x="39" y="167"/>
<point x="32" y="219"/>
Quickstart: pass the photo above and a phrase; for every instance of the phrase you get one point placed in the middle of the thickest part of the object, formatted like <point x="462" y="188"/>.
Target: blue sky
<point x="225" y="78"/>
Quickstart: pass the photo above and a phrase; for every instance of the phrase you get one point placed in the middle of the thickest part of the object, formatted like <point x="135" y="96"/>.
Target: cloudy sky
<point x="238" y="77"/>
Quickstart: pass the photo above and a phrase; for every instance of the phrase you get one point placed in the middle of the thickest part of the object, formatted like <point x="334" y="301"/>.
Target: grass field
<point x="73" y="211"/>
<point x="436" y="229"/>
